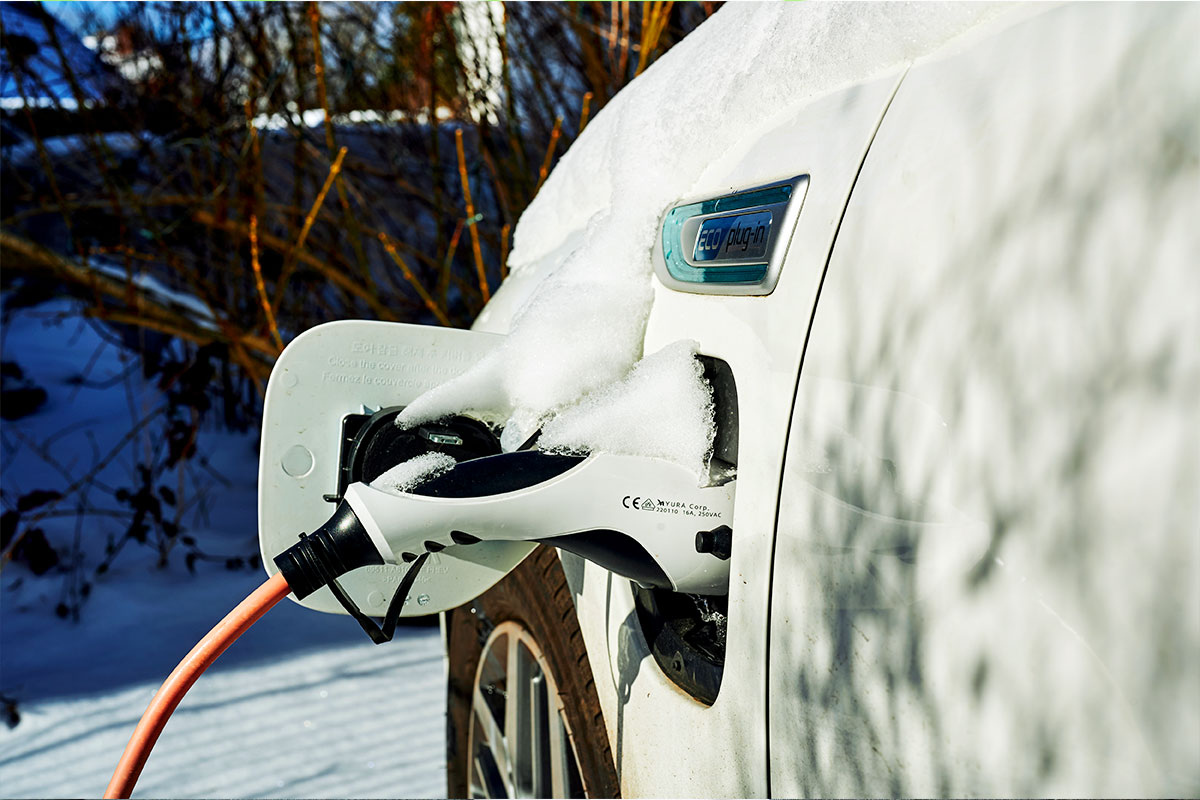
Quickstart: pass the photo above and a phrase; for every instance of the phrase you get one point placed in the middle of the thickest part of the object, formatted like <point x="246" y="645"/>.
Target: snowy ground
<point x="303" y="706"/>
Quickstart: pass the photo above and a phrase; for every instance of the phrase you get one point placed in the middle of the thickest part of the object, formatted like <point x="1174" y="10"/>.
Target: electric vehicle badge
<point x="733" y="244"/>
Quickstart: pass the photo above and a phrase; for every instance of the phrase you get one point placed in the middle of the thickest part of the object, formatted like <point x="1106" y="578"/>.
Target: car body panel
<point x="665" y="742"/>
<point x="989" y="533"/>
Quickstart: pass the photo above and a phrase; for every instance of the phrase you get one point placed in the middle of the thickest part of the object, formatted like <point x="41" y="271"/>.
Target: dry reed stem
<point x="498" y="184"/>
<point x="95" y="143"/>
<point x="228" y="336"/>
<point x="504" y="232"/>
<point x="545" y="169"/>
<point x="367" y="230"/>
<point x="446" y="268"/>
<point x="476" y="252"/>
<point x="412" y="280"/>
<point x="334" y="170"/>
<point x="311" y="217"/>
<point x="20" y="253"/>
<point x="72" y="202"/>
<point x="614" y="31"/>
<point x="44" y="157"/>
<point x="258" y="282"/>
<point x="453" y="248"/>
<point x="583" y="114"/>
<point x="343" y="282"/>
<point x="314" y="21"/>
<point x="243" y="359"/>
<point x="623" y="62"/>
<point x="658" y="13"/>
<point x="248" y="109"/>
<point x="285" y="273"/>
<point x="256" y="152"/>
<point x="424" y="258"/>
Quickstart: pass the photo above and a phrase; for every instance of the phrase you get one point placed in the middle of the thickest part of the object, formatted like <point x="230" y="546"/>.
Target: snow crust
<point x="408" y="475"/>
<point x="582" y="326"/>
<point x="302" y="705"/>
<point x="614" y="419"/>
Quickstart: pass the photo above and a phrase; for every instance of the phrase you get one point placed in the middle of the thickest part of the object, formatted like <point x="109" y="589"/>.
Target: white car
<point x="957" y="370"/>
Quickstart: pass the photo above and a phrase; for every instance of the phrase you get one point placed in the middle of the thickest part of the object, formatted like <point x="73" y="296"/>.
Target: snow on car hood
<point x="581" y="262"/>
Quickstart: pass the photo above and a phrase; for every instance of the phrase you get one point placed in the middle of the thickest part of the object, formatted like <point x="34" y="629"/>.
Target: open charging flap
<point x="324" y="385"/>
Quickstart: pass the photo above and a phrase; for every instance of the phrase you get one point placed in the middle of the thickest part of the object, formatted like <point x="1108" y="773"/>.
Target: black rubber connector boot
<point x="718" y="541"/>
<point x="340" y="545"/>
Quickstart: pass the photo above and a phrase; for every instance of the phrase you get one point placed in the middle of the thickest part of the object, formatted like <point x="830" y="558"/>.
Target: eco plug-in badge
<point x="733" y="244"/>
<point x="737" y="237"/>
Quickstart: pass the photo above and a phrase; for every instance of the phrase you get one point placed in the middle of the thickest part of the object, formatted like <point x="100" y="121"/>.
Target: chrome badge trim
<point x="732" y="244"/>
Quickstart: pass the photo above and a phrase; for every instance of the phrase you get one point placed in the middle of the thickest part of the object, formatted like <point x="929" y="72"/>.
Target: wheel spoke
<point x="515" y="720"/>
<point x="518" y="742"/>
<point x="560" y="751"/>
<point x="495" y="743"/>
<point x="486" y="778"/>
<point x="539" y="745"/>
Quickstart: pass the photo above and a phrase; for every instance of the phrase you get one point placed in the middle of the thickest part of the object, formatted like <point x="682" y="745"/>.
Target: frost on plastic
<point x="408" y="475"/>
<point x="581" y="265"/>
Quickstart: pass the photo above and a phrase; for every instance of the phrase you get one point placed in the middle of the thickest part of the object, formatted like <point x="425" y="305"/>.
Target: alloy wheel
<point x="519" y="741"/>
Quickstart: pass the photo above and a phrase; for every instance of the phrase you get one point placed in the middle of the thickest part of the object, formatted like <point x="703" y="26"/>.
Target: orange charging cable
<point x="176" y="685"/>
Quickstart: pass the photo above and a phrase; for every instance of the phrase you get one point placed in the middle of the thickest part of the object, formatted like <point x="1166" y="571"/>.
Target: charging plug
<point x="340" y="545"/>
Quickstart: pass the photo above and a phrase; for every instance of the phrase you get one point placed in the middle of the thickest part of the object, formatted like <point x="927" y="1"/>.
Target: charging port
<point x="686" y="632"/>
<point x="372" y="444"/>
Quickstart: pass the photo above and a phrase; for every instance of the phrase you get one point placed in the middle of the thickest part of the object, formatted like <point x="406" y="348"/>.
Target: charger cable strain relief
<point x="340" y="545"/>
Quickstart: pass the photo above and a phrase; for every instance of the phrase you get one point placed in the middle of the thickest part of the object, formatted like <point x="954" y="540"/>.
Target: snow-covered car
<point x="942" y="269"/>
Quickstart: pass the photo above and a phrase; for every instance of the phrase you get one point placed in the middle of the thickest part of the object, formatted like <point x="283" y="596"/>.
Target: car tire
<point x="528" y="622"/>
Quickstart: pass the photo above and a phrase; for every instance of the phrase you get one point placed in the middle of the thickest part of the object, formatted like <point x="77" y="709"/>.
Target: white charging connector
<point x="636" y="516"/>
<point x="643" y="518"/>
